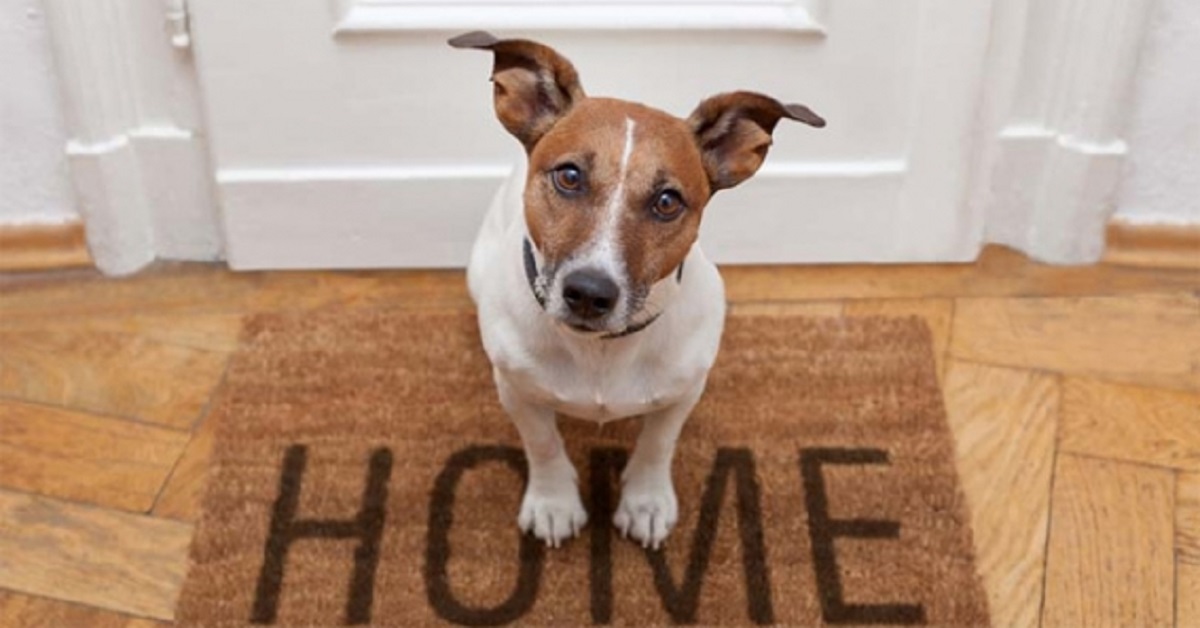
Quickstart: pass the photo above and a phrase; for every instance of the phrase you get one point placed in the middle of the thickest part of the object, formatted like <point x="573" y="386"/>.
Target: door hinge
<point x="177" y="23"/>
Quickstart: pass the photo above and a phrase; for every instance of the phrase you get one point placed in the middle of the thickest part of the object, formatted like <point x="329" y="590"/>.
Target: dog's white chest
<point x="597" y="390"/>
<point x="605" y="403"/>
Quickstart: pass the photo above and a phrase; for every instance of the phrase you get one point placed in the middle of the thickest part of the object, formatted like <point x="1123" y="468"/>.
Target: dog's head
<point x="616" y="190"/>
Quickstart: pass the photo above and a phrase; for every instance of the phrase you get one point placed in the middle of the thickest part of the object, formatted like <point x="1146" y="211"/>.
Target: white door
<point x="346" y="133"/>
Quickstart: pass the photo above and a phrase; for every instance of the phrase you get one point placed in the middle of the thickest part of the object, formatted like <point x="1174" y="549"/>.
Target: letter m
<point x="682" y="601"/>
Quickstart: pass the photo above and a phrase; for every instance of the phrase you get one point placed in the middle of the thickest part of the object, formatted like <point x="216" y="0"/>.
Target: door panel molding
<point x="374" y="16"/>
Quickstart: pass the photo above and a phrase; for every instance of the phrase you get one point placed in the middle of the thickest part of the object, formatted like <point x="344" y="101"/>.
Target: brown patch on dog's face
<point x="628" y="157"/>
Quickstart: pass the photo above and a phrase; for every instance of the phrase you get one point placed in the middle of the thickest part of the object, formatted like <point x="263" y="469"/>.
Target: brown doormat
<point x="365" y="473"/>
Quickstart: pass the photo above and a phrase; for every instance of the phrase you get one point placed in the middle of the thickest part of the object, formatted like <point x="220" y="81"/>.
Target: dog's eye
<point x="568" y="179"/>
<point x="668" y="205"/>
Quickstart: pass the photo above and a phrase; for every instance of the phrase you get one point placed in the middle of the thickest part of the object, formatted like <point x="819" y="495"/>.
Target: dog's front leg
<point x="648" y="508"/>
<point x="551" y="508"/>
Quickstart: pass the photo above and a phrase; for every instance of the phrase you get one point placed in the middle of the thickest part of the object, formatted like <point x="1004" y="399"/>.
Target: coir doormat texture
<point x="365" y="473"/>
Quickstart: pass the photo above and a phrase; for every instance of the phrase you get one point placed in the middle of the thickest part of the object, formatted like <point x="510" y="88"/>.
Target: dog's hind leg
<point x="551" y="508"/>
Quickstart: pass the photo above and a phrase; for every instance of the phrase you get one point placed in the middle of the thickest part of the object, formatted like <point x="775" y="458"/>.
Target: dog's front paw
<point x="648" y="508"/>
<point x="553" y="515"/>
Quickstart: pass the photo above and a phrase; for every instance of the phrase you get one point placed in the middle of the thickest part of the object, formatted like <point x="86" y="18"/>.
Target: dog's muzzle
<point x="589" y="294"/>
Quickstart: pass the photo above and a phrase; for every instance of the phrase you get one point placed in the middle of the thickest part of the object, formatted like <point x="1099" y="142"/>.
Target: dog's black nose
<point x="590" y="294"/>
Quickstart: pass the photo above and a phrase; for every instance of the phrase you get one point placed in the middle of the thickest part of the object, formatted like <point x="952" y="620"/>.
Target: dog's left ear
<point x="734" y="132"/>
<point x="534" y="85"/>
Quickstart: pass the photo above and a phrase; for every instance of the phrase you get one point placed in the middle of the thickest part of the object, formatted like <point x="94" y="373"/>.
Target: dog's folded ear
<point x="534" y="86"/>
<point x="734" y="130"/>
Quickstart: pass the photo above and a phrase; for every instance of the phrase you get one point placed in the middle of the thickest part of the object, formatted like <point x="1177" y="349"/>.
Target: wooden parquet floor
<point x="1074" y="394"/>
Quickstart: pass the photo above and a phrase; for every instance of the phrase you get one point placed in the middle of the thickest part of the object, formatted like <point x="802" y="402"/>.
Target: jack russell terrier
<point x="594" y="299"/>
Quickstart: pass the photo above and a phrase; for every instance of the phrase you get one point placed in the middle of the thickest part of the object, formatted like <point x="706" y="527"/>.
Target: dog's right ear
<point x="534" y="85"/>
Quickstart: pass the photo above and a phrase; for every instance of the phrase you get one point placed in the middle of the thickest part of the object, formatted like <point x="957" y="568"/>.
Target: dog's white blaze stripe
<point x="608" y="233"/>
<point x="604" y="250"/>
<point x="629" y="126"/>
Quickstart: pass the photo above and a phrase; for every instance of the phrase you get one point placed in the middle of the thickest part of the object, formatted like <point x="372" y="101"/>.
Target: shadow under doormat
<point x="365" y="473"/>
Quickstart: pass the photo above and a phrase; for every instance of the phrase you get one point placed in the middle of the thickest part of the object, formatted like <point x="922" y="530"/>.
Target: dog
<point x="594" y="299"/>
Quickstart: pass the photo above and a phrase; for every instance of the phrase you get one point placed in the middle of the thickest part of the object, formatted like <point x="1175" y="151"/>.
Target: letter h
<point x="367" y="527"/>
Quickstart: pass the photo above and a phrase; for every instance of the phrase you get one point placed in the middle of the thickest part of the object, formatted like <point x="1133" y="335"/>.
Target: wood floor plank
<point x="218" y="331"/>
<point x="794" y="308"/>
<point x="109" y="373"/>
<point x="180" y="498"/>
<point x="1152" y="340"/>
<point x="170" y="287"/>
<point x="1133" y="423"/>
<point x="999" y="272"/>
<point x="81" y="457"/>
<point x="1187" y="550"/>
<point x="213" y="288"/>
<point x="1004" y="424"/>
<point x="1187" y="518"/>
<point x="26" y="611"/>
<point x="1187" y="594"/>
<point x="937" y="313"/>
<point x="103" y="558"/>
<point x="1111" y="559"/>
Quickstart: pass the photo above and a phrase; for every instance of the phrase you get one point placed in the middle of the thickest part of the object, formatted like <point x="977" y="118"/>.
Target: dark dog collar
<point x="531" y="274"/>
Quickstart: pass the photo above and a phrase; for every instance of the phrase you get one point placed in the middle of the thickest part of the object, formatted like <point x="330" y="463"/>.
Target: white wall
<point x="34" y="184"/>
<point x="1162" y="176"/>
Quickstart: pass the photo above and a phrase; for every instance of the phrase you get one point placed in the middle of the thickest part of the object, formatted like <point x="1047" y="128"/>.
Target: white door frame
<point x="137" y="155"/>
<point x="1047" y="135"/>
<point x="1053" y="120"/>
